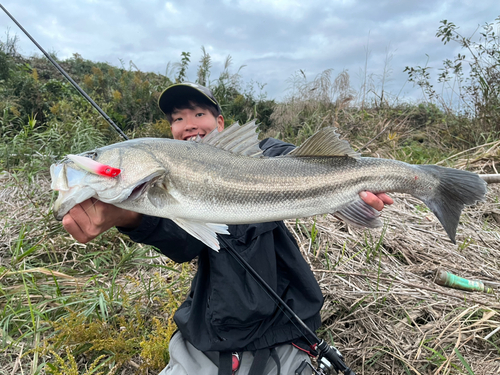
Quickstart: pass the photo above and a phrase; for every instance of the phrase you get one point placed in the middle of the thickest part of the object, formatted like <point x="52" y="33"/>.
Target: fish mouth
<point x="140" y="189"/>
<point x="67" y="199"/>
<point x="72" y="189"/>
<point x="69" y="196"/>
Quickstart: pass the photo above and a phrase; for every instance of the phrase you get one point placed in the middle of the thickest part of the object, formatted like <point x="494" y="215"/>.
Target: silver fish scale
<point x="237" y="190"/>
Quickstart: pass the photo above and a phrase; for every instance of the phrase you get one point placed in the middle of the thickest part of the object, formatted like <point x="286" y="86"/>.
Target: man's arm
<point x="90" y="218"/>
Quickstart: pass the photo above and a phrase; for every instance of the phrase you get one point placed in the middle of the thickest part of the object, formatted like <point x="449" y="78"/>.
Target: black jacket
<point x="226" y="310"/>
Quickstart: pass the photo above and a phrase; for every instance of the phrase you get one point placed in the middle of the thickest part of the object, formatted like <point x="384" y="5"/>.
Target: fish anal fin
<point x="360" y="214"/>
<point x="205" y="232"/>
<point x="326" y="142"/>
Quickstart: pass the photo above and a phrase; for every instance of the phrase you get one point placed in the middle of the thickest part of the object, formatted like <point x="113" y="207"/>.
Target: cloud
<point x="273" y="38"/>
<point x="286" y="9"/>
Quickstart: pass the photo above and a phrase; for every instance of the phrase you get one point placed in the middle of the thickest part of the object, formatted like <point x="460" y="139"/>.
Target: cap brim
<point x="178" y="91"/>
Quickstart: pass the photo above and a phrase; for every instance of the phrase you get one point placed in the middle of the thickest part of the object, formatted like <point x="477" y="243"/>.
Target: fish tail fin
<point x="456" y="189"/>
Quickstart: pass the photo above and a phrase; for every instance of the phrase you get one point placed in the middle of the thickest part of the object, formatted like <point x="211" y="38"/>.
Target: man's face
<point x="190" y="122"/>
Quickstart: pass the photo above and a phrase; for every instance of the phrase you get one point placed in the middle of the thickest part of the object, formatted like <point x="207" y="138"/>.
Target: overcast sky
<point x="273" y="38"/>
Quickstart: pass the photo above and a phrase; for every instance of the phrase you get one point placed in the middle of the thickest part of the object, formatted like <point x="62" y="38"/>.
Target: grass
<point x="107" y="306"/>
<point x="373" y="306"/>
<point x="110" y="302"/>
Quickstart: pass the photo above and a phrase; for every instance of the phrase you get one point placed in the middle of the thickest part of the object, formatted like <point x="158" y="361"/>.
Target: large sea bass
<point x="224" y="179"/>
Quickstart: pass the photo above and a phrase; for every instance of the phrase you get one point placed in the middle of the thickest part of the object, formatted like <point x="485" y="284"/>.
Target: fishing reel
<point x="330" y="362"/>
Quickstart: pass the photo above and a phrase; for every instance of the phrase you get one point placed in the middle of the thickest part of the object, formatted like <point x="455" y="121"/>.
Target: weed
<point x="465" y="244"/>
<point x="154" y="347"/>
<point x="422" y="208"/>
<point x="371" y="246"/>
<point x="463" y="361"/>
<point x="473" y="90"/>
<point x="70" y="367"/>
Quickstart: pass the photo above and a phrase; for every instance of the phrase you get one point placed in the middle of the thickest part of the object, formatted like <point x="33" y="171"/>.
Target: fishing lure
<point x="93" y="166"/>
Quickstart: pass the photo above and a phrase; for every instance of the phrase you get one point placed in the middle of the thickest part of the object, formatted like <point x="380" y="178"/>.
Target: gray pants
<point x="185" y="359"/>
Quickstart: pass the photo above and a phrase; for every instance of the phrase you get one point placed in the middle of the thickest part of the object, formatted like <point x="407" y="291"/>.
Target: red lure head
<point x="106" y="170"/>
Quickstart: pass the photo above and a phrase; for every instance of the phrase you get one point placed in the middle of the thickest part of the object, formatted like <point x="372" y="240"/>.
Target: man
<point x="225" y="311"/>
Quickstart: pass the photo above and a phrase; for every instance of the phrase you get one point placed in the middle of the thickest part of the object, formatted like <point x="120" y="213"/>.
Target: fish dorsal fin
<point x="325" y="142"/>
<point x="238" y="139"/>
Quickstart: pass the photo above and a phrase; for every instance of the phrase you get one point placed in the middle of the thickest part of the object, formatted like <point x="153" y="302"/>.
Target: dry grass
<point x="483" y="158"/>
<point x="382" y="308"/>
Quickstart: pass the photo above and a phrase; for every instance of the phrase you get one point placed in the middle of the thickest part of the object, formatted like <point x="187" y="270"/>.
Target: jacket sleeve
<point x="174" y="242"/>
<point x="167" y="237"/>
<point x="274" y="147"/>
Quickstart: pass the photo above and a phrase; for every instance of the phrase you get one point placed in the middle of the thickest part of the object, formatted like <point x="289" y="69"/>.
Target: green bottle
<point x="448" y="279"/>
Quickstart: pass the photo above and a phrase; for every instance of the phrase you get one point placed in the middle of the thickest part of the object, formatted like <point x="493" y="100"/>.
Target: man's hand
<point x="377" y="201"/>
<point x="92" y="217"/>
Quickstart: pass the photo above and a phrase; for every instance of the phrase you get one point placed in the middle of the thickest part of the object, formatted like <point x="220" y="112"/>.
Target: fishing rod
<point x="79" y="89"/>
<point x="330" y="359"/>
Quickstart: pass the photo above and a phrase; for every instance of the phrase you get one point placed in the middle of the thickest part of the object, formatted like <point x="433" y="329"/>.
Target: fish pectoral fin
<point x="205" y="232"/>
<point x="160" y="197"/>
<point x="360" y="214"/>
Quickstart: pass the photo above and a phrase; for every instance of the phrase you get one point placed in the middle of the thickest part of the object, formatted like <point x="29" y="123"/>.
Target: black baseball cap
<point x="177" y="91"/>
